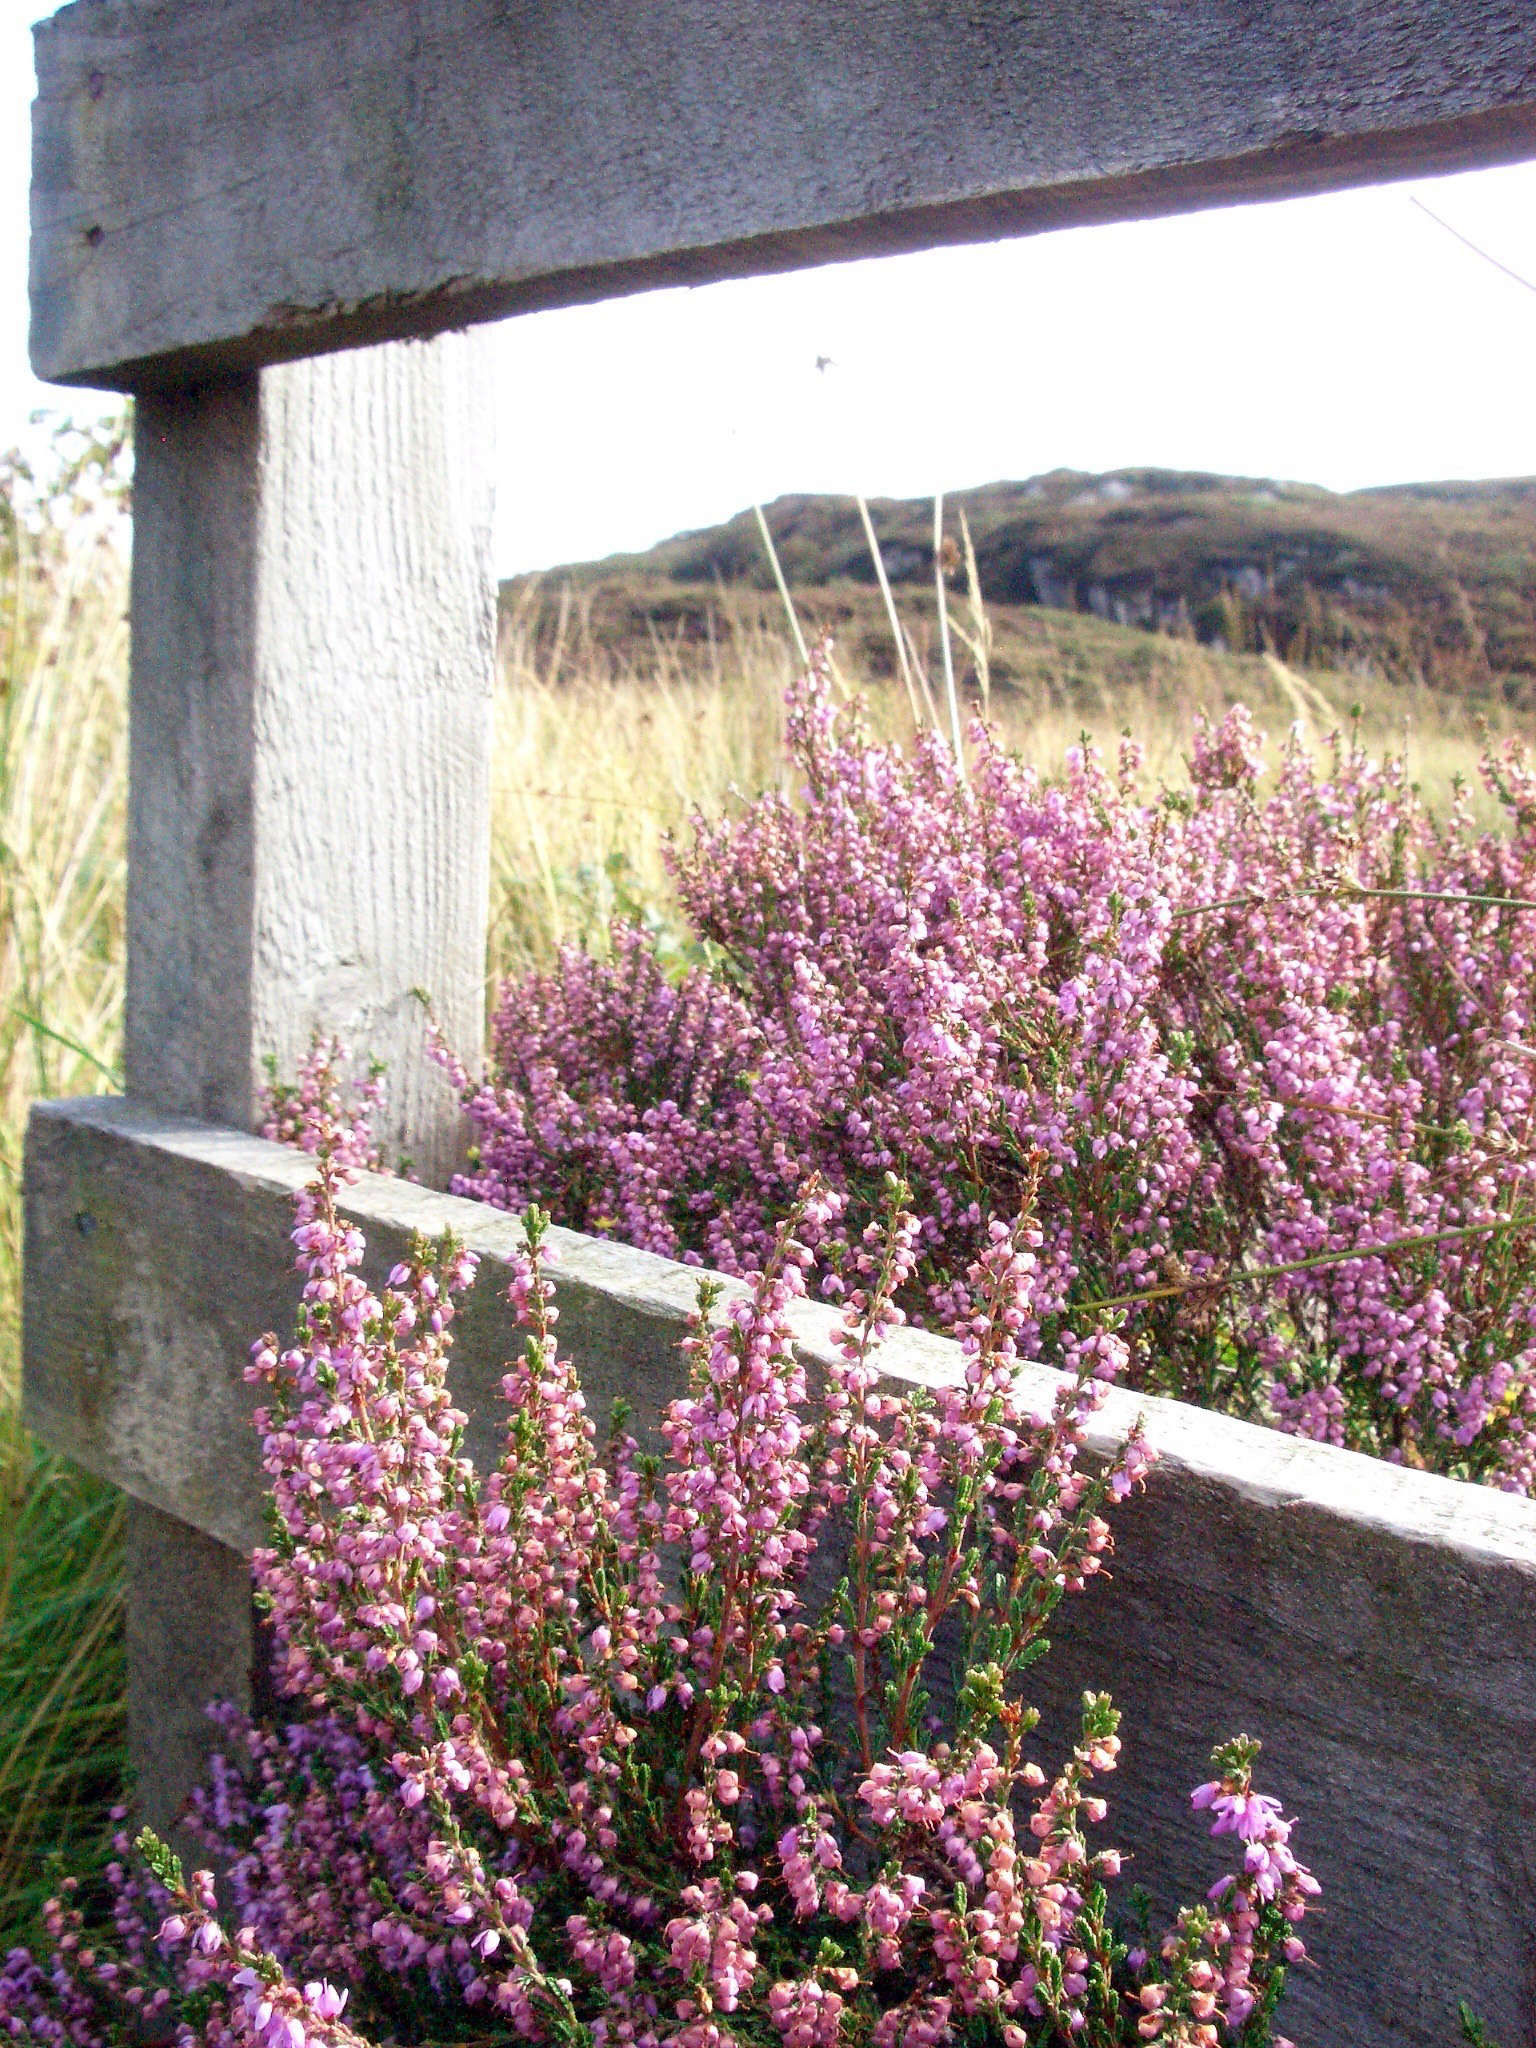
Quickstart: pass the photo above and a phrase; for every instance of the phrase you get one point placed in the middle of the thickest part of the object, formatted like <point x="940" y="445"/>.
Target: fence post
<point x="309" y="817"/>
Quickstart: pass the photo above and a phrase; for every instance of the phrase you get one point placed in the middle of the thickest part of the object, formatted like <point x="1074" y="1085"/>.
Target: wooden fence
<point x="1374" y="1627"/>
<point x="226" y="195"/>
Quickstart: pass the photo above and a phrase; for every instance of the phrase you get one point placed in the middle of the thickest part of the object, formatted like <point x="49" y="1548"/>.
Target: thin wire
<point x="1467" y="242"/>
<point x="1245" y="1275"/>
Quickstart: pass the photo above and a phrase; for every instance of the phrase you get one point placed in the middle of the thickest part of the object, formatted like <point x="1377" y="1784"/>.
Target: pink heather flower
<point x="1221" y="1030"/>
<point x="652" y="1744"/>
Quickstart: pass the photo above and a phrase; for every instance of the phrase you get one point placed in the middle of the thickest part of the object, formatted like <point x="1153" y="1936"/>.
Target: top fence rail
<point x="245" y="181"/>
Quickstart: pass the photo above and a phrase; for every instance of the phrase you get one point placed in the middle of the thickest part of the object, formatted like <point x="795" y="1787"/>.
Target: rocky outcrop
<point x="1425" y="582"/>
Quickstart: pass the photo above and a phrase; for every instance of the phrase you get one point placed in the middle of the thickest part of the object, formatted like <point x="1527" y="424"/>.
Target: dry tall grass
<point x="63" y="777"/>
<point x="595" y="762"/>
<point x="599" y="756"/>
<point x="63" y="771"/>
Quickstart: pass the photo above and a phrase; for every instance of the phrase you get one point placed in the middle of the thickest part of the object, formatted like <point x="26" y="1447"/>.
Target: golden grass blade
<point x="979" y="640"/>
<point x="898" y="634"/>
<point x="778" y="576"/>
<point x="950" y="693"/>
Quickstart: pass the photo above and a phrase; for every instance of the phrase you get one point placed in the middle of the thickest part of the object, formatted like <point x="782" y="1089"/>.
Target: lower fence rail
<point x="1374" y="1627"/>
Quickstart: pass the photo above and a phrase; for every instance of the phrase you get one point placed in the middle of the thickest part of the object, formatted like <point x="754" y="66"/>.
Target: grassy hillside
<point x="1428" y="585"/>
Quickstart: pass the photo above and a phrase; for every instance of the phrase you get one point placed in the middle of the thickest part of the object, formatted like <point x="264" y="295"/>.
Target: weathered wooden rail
<point x="225" y="193"/>
<point x="249" y="180"/>
<point x="1376" y="1628"/>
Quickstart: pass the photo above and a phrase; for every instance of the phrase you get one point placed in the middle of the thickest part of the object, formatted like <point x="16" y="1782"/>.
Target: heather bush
<point x="720" y="1741"/>
<point x="1267" y="1051"/>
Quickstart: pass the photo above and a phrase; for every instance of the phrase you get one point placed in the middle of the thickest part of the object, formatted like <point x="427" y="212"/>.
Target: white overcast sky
<point x="1345" y="340"/>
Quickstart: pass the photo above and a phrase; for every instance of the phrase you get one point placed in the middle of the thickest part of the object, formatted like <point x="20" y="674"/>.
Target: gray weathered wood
<point x="1376" y="1627"/>
<point x="313" y="640"/>
<point x="190" y="1639"/>
<point x="246" y="180"/>
<point x="313" y="646"/>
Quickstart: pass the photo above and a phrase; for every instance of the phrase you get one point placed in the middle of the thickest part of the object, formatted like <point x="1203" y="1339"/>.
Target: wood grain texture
<point x="313" y="647"/>
<point x="313" y="642"/>
<point x="247" y="180"/>
<point x="191" y="1638"/>
<point x="1376" y="1627"/>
